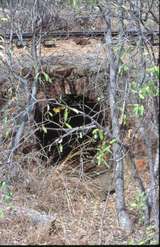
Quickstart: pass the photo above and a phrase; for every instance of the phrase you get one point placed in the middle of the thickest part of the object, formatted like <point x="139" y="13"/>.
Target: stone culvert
<point x="73" y="76"/>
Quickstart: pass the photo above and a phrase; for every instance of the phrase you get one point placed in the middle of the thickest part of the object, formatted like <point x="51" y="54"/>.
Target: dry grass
<point x="82" y="217"/>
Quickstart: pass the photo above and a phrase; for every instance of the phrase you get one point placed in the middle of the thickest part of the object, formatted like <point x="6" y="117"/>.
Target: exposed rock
<point x="31" y="214"/>
<point x="21" y="44"/>
<point x="49" y="43"/>
<point x="82" y="41"/>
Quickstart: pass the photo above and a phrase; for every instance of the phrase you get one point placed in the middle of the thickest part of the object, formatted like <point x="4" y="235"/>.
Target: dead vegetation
<point x="73" y="201"/>
<point x="48" y="206"/>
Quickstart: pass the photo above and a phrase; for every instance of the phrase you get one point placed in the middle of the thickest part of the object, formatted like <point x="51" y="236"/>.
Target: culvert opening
<point x="67" y="123"/>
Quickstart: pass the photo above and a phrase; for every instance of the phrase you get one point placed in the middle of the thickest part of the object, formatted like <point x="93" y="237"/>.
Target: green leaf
<point x="8" y="196"/>
<point x="1" y="213"/>
<point x="2" y="184"/>
<point x="68" y="125"/>
<point x="37" y="76"/>
<point x="123" y="69"/>
<point x="133" y="205"/>
<point x="107" y="149"/>
<point x="66" y="114"/>
<point x="101" y="135"/>
<point x="47" y="78"/>
<point x="134" y="87"/>
<point x="155" y="70"/>
<point x="95" y="131"/>
<point x="61" y="148"/>
<point x="141" y="110"/>
<point x="145" y="91"/>
<point x="113" y="141"/>
<point x="98" y="133"/>
<point x="154" y="90"/>
<point x="44" y="129"/>
<point x="95" y="136"/>
<point x="99" y="161"/>
<point x="74" y="3"/>
<point x="7" y="133"/>
<point x="138" y="109"/>
<point x="141" y="96"/>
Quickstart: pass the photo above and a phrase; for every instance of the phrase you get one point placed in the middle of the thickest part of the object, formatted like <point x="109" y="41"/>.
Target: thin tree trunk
<point x="123" y="218"/>
<point x="152" y="193"/>
<point x="139" y="181"/>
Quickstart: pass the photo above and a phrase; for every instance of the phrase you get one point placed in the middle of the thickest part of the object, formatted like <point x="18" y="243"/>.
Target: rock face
<point x="66" y="123"/>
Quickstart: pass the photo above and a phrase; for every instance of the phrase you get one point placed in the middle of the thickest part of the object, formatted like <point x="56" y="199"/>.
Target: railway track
<point x="152" y="37"/>
<point x="64" y="34"/>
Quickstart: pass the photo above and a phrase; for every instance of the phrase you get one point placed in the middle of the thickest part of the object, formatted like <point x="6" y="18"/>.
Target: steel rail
<point x="64" y="34"/>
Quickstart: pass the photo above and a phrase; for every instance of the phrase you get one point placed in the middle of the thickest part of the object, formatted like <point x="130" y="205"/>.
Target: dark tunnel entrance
<point x="65" y="123"/>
